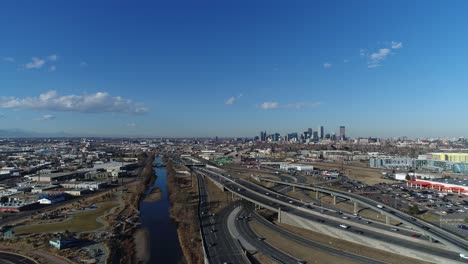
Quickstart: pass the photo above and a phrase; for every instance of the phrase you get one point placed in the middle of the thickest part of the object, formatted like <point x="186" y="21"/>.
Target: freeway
<point x="256" y="194"/>
<point x="242" y="224"/>
<point x="455" y="242"/>
<point x="220" y="245"/>
<point x="10" y="258"/>
<point x="307" y="242"/>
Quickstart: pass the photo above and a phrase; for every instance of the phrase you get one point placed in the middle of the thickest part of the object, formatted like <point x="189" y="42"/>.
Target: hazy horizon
<point x="233" y="69"/>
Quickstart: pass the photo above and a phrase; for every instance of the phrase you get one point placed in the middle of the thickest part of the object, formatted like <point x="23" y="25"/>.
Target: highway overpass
<point x="375" y="235"/>
<point x="454" y="242"/>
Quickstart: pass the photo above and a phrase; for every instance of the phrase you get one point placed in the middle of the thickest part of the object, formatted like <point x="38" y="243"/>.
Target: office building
<point x="316" y="136"/>
<point x="452" y="157"/>
<point x="263" y="136"/>
<point x="309" y="131"/>
<point x="342" y="133"/>
<point x="322" y="133"/>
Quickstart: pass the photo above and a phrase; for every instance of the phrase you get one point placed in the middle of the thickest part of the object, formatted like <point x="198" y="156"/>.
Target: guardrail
<point x="429" y="229"/>
<point x="205" y="251"/>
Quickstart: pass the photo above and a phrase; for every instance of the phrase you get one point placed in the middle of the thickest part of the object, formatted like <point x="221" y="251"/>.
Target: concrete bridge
<point x="433" y="232"/>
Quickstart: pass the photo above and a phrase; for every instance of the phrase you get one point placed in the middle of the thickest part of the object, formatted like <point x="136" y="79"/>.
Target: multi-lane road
<point x="220" y="246"/>
<point x="257" y="194"/>
<point x="456" y="243"/>
<point x="10" y="258"/>
<point x="307" y="242"/>
<point x="259" y="243"/>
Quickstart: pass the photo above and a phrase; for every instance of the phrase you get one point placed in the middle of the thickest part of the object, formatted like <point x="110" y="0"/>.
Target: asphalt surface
<point x="291" y="208"/>
<point x="262" y="245"/>
<point x="220" y="245"/>
<point x="411" y="221"/>
<point x="9" y="258"/>
<point x="307" y="242"/>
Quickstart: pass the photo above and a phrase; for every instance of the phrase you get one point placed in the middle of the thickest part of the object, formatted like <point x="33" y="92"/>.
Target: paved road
<point x="307" y="242"/>
<point x="221" y="246"/>
<point x="10" y="258"/>
<point x="434" y="231"/>
<point x="261" y="245"/>
<point x="329" y="220"/>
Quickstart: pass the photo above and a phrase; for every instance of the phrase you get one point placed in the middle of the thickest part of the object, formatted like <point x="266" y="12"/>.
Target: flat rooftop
<point x="463" y="182"/>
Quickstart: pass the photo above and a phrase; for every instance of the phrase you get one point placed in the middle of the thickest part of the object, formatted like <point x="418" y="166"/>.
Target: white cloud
<point x="397" y="45"/>
<point x="8" y="59"/>
<point x="373" y="65"/>
<point x="52" y="68"/>
<point x="35" y="63"/>
<point x="363" y="52"/>
<point x="380" y="55"/>
<point x="302" y="105"/>
<point x="38" y="63"/>
<point x="231" y="100"/>
<point x="327" y="65"/>
<point x="375" y="59"/>
<point x="46" y="118"/>
<point x="87" y="103"/>
<point x="276" y="105"/>
<point x="269" y="105"/>
<point x="52" y="57"/>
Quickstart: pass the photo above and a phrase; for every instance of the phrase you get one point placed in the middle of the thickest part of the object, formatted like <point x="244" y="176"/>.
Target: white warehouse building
<point x="298" y="167"/>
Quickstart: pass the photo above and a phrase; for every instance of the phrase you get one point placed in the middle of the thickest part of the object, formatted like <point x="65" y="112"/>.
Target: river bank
<point x="161" y="244"/>
<point x="154" y="195"/>
<point x="124" y="249"/>
<point x="183" y="195"/>
<point x="142" y="245"/>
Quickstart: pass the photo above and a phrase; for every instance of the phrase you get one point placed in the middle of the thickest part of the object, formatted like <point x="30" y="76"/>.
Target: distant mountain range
<point x="21" y="133"/>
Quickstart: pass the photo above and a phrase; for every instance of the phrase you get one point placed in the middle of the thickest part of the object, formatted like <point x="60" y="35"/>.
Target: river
<point x="155" y="217"/>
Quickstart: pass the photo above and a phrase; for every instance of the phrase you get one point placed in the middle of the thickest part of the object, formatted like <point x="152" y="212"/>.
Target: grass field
<point x="80" y="222"/>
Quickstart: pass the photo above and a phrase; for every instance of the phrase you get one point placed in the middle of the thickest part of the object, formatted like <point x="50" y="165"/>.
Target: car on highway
<point x="380" y="206"/>
<point x="291" y="202"/>
<point x="464" y="256"/>
<point x="394" y="229"/>
<point x="344" y="226"/>
<point x="345" y="217"/>
<point x="464" y="227"/>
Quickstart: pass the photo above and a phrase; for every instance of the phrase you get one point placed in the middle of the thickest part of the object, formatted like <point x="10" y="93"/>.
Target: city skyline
<point x="233" y="69"/>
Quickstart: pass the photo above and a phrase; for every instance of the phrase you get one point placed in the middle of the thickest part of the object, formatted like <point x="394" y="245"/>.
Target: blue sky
<point x="233" y="68"/>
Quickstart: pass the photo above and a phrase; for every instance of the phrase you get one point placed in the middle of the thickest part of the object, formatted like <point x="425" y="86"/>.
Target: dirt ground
<point x="366" y="175"/>
<point x="264" y="259"/>
<point x="142" y="245"/>
<point x="217" y="198"/>
<point x="311" y="255"/>
<point x="352" y="247"/>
